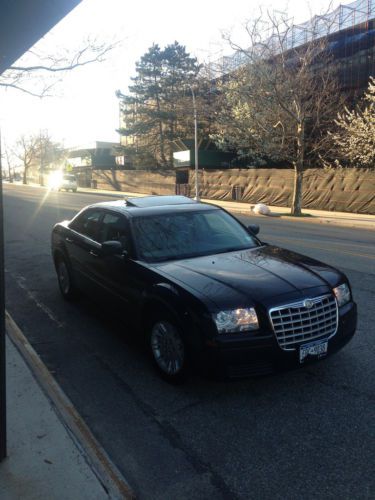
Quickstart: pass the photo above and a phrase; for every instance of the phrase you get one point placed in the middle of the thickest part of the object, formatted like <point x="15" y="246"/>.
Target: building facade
<point x="350" y="34"/>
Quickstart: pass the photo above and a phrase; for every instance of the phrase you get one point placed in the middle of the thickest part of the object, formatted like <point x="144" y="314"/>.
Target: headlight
<point x="342" y="293"/>
<point x="237" y="320"/>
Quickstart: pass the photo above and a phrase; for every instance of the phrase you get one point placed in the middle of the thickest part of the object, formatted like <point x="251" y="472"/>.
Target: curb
<point x="107" y="473"/>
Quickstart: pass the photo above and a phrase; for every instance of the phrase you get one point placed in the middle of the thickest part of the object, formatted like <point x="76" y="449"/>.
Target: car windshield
<point x="189" y="234"/>
<point x="69" y="178"/>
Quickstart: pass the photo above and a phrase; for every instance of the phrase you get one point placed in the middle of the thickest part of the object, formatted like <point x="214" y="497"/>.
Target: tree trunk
<point x="296" y="209"/>
<point x="24" y="181"/>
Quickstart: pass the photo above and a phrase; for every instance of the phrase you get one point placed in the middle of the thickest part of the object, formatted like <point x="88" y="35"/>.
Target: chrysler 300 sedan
<point x="203" y="289"/>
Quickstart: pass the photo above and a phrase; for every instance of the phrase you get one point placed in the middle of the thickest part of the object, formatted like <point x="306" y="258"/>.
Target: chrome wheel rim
<point x="167" y="347"/>
<point x="64" y="278"/>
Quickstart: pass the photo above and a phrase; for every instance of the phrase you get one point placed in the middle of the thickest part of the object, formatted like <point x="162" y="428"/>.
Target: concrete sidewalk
<point x="47" y="459"/>
<point x="363" y="221"/>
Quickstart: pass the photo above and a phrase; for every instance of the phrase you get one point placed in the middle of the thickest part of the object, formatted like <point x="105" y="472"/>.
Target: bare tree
<point x="37" y="152"/>
<point x="36" y="77"/>
<point x="283" y="96"/>
<point x="26" y="151"/>
<point x="40" y="72"/>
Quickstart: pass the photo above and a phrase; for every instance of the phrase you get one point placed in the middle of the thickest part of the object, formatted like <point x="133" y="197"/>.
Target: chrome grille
<point x="297" y="323"/>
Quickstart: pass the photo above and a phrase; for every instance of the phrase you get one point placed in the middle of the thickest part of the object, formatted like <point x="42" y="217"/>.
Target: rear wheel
<point x="168" y="350"/>
<point x="65" y="279"/>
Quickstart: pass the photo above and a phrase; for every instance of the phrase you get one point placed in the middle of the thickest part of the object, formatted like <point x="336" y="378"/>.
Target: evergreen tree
<point x="157" y="110"/>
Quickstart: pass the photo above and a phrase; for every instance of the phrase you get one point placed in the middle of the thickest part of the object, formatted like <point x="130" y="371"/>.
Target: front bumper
<point x="261" y="354"/>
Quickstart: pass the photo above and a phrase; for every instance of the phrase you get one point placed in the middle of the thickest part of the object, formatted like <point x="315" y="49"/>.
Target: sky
<point x="83" y="107"/>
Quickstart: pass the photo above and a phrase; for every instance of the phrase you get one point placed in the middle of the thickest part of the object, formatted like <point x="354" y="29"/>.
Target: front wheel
<point x="64" y="276"/>
<point x="168" y="350"/>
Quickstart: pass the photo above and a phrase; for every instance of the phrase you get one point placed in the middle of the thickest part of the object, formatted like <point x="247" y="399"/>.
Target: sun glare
<point x="54" y="179"/>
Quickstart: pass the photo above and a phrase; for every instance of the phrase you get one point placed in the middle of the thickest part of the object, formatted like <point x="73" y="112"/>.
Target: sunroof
<point x="158" y="201"/>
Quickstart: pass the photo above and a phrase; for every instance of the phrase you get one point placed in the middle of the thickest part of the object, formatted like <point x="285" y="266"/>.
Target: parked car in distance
<point x="59" y="181"/>
<point x="202" y="288"/>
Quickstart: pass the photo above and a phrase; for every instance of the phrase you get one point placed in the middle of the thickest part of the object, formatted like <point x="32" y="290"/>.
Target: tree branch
<point x="99" y="51"/>
<point x="21" y="89"/>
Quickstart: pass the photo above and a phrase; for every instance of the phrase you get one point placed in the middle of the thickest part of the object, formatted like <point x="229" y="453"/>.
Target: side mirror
<point x="111" y="248"/>
<point x="253" y="229"/>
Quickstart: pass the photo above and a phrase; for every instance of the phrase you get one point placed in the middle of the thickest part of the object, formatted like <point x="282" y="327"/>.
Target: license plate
<point x="316" y="349"/>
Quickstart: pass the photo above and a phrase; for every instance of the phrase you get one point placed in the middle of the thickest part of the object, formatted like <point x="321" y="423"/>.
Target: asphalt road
<point x="307" y="433"/>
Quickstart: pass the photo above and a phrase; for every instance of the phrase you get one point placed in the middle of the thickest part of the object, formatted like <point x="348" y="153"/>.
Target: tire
<point x="65" y="279"/>
<point x="168" y="350"/>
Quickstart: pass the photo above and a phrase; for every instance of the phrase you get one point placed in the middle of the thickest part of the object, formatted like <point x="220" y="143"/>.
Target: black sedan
<point x="202" y="287"/>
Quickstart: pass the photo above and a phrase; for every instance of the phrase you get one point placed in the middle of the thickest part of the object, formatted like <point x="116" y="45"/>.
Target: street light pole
<point x="195" y="145"/>
<point x="3" y="449"/>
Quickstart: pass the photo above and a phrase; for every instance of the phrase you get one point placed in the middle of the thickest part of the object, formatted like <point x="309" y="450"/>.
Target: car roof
<point x="153" y="205"/>
<point x="158" y="201"/>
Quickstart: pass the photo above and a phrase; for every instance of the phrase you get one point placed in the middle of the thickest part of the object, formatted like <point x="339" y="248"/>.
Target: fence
<point x="136" y="181"/>
<point x="343" y="190"/>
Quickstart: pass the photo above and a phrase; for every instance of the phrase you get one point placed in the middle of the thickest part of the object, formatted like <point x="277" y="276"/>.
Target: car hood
<point x="257" y="274"/>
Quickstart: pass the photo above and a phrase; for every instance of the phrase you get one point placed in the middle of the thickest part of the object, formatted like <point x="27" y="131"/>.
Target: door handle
<point x="68" y="240"/>
<point x="93" y="253"/>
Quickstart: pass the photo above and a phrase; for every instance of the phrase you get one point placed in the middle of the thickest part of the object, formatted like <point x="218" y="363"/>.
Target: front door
<point x="84" y="249"/>
<point x="119" y="273"/>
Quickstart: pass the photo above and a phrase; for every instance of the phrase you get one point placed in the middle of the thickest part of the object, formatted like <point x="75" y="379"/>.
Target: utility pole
<point x="3" y="449"/>
<point x="195" y="145"/>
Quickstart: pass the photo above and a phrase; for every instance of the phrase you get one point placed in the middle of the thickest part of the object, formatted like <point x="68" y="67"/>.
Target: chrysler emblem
<point x="308" y="303"/>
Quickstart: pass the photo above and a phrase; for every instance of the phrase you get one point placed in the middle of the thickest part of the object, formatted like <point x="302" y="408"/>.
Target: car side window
<point x="88" y="224"/>
<point x="114" y="227"/>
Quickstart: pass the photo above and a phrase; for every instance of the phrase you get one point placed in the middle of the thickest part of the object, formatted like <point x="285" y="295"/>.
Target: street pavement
<point x="306" y="434"/>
